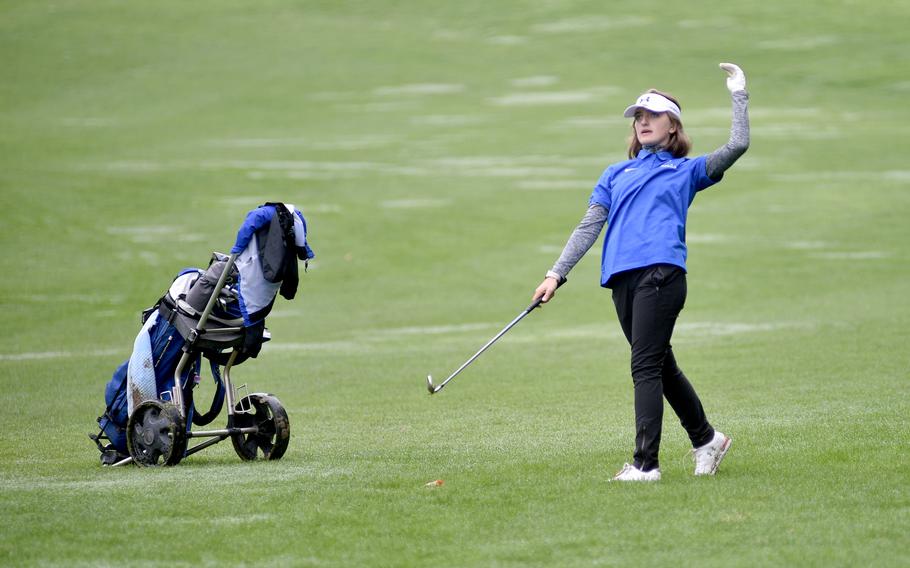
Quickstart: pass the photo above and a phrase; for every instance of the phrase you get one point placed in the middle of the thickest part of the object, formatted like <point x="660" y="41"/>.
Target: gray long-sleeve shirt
<point x="716" y="163"/>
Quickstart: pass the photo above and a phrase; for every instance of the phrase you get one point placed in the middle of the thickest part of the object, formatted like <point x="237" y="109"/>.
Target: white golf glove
<point x="736" y="79"/>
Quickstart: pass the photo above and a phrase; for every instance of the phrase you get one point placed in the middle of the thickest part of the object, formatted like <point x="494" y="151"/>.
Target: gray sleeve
<point x="718" y="161"/>
<point x="581" y="240"/>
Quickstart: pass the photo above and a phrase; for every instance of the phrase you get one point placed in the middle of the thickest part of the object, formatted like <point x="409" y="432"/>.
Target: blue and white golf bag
<point x="269" y="242"/>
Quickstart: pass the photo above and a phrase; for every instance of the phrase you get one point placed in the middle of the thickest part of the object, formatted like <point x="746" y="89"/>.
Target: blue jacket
<point x="261" y="246"/>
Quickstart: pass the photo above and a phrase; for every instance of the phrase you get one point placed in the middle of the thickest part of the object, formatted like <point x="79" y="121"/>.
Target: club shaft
<point x="488" y="344"/>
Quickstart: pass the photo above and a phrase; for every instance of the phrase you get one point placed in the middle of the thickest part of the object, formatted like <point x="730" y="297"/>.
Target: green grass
<point x="440" y="184"/>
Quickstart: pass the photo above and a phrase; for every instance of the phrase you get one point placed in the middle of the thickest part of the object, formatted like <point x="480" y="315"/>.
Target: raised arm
<point x="582" y="239"/>
<point x="718" y="161"/>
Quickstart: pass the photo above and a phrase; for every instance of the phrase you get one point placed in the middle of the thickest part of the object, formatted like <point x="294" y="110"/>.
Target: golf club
<point x="436" y="388"/>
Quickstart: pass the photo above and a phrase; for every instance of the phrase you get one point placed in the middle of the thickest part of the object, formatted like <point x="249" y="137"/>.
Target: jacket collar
<point x="662" y="155"/>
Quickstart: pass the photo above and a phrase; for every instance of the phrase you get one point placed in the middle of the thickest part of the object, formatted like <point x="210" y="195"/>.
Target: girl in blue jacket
<point x="643" y="202"/>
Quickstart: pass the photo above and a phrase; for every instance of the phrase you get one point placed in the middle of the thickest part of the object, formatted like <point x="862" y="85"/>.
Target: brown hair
<point x="679" y="143"/>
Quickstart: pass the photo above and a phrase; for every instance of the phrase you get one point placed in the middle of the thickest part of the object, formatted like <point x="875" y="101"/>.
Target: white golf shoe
<point x="631" y="473"/>
<point x="708" y="457"/>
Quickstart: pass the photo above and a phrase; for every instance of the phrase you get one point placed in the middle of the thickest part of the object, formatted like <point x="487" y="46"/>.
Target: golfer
<point x="643" y="201"/>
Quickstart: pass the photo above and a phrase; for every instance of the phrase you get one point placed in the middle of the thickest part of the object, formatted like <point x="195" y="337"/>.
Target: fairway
<point x="442" y="153"/>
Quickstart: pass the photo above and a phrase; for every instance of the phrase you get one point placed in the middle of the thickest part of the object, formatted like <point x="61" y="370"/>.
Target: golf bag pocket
<point x="113" y="421"/>
<point x="156" y="352"/>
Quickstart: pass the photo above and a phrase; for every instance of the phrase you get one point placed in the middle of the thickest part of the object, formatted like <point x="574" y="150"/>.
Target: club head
<point x="430" y="386"/>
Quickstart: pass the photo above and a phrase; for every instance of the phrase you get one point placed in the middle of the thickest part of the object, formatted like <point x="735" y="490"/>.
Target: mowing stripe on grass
<point x="547" y="98"/>
<point x="420" y="89"/>
<point x="851" y="255"/>
<point x="37" y="355"/>
<point x="590" y="23"/>
<point x="535" y="81"/>
<point x="415" y="203"/>
<point x="554" y="185"/>
<point x="373" y="339"/>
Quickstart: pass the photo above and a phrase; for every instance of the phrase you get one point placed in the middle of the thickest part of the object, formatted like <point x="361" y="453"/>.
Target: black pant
<point x="647" y="301"/>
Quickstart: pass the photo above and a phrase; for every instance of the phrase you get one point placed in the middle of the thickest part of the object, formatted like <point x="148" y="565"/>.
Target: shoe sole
<point x="728" y="441"/>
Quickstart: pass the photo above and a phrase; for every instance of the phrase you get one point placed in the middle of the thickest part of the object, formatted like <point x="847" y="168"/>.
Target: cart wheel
<point x="265" y="412"/>
<point x="156" y="434"/>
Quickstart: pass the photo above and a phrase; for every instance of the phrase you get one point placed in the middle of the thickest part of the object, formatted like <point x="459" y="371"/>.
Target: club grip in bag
<point x="202" y="290"/>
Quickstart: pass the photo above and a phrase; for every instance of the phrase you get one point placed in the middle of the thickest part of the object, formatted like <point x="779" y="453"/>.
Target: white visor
<point x="654" y="103"/>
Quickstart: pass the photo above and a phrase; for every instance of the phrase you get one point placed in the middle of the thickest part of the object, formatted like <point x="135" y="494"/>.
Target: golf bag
<point x="263" y="263"/>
